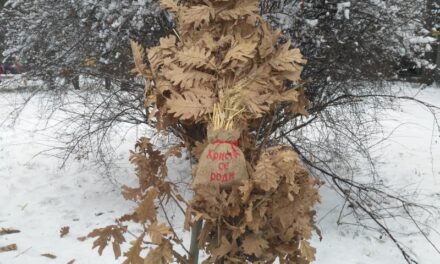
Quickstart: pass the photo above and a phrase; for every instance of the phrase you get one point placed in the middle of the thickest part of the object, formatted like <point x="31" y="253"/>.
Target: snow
<point x="312" y="22"/>
<point x="428" y="48"/>
<point x="38" y="198"/>
<point x="343" y="8"/>
<point x="347" y="13"/>
<point x="422" y="40"/>
<point x="11" y="82"/>
<point x="410" y="160"/>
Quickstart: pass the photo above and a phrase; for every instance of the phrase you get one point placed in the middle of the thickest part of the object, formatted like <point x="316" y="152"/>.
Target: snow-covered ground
<point x="38" y="198"/>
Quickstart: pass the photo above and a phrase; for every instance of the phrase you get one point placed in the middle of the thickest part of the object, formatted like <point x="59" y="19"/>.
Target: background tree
<point x="88" y="38"/>
<point x="432" y="19"/>
<point x="60" y="41"/>
<point x="2" y="29"/>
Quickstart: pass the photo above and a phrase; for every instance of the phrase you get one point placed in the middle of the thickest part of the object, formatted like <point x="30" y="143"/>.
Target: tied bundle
<point x="214" y="83"/>
<point x="222" y="162"/>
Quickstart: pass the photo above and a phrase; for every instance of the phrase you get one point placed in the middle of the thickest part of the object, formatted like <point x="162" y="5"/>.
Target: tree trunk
<point x="107" y="83"/>
<point x="75" y="82"/>
<point x="194" y="248"/>
<point x="51" y="83"/>
<point x="429" y="20"/>
<point x="437" y="60"/>
<point x="125" y="86"/>
<point x="2" y="4"/>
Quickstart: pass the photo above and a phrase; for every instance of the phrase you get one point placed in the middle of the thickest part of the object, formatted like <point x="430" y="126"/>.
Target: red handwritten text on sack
<point x="222" y="159"/>
<point x="223" y="165"/>
<point x="213" y="155"/>
<point x="225" y="177"/>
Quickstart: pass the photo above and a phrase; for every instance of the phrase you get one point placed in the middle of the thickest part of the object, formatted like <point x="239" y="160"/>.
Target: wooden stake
<point x="194" y="248"/>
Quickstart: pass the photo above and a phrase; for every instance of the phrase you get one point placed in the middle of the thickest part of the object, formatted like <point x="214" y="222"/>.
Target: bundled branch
<point x="213" y="84"/>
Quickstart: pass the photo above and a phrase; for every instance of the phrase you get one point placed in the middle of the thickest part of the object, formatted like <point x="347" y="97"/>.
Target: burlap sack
<point x="222" y="162"/>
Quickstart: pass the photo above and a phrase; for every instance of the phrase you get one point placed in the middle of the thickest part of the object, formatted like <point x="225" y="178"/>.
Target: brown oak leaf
<point x="49" y="255"/>
<point x="307" y="251"/>
<point x="190" y="105"/>
<point x="254" y="244"/>
<point x="265" y="175"/>
<point x="64" y="231"/>
<point x="222" y="250"/>
<point x="160" y="255"/>
<point x="157" y="232"/>
<point x="147" y="209"/>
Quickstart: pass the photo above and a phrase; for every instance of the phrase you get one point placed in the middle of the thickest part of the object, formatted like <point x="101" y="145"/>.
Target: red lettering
<point x="223" y="166"/>
<point x="225" y="178"/>
<point x="222" y="177"/>
<point x="235" y="154"/>
<point x="210" y="154"/>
